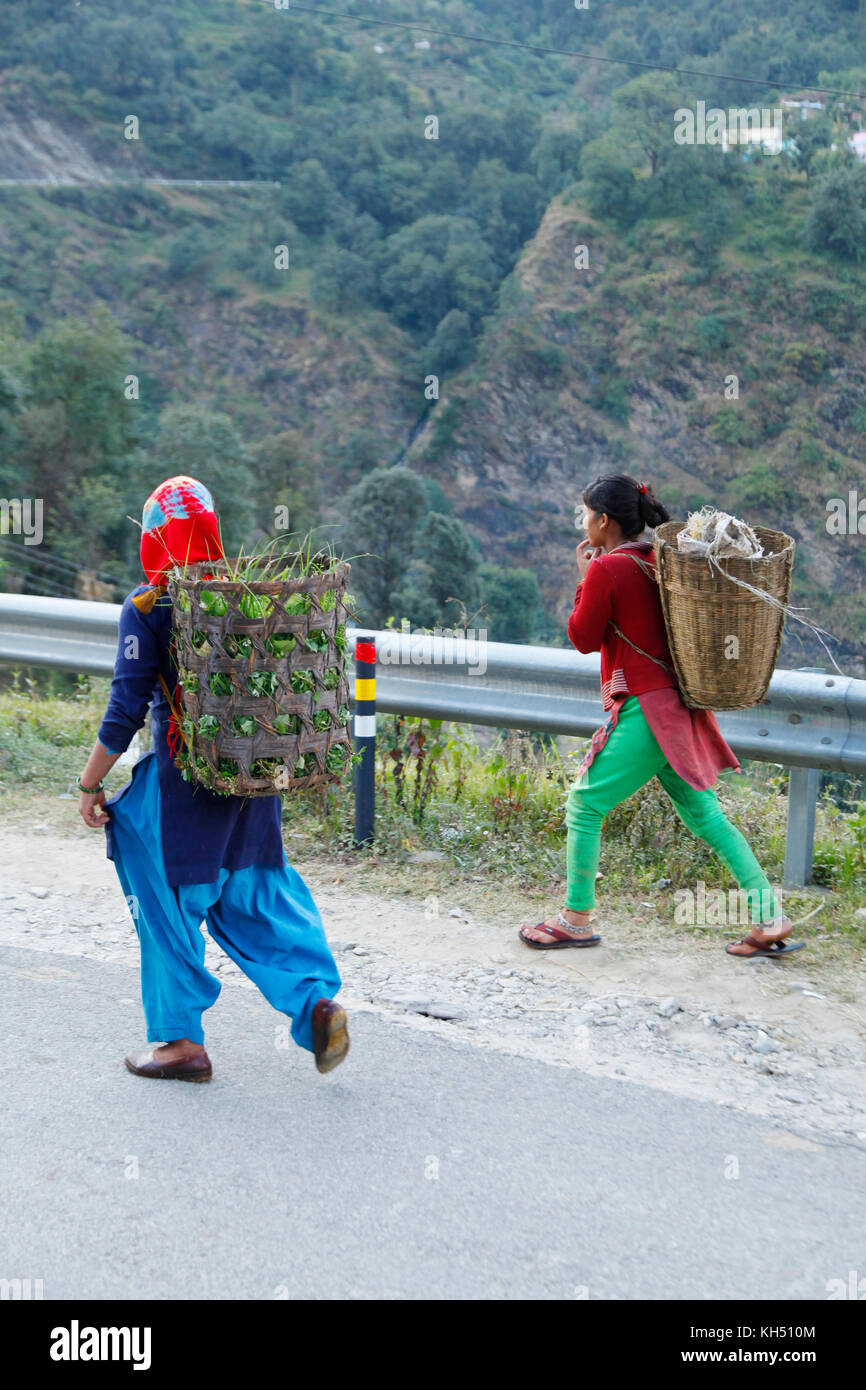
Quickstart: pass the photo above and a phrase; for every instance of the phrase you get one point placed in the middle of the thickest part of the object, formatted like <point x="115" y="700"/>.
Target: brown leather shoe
<point x="145" y="1063"/>
<point x="330" y="1034"/>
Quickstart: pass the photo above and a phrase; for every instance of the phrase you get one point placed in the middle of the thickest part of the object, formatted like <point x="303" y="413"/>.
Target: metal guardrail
<point x="809" y="720"/>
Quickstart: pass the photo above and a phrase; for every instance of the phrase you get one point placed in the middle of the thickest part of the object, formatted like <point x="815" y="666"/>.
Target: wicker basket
<point x="284" y="718"/>
<point x="703" y="611"/>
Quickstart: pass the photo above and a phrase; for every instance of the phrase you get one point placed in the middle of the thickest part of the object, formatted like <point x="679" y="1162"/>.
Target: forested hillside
<point x="279" y="335"/>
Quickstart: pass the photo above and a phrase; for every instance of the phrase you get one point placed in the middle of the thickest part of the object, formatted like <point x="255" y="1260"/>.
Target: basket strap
<point x="636" y="648"/>
<point x="651" y="572"/>
<point x="167" y="694"/>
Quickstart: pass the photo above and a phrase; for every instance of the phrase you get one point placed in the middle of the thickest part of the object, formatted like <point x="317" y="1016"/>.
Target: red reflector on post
<point x="365" y="651"/>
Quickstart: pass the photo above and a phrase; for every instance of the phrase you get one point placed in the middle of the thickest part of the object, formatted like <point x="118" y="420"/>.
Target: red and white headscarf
<point x="178" y="527"/>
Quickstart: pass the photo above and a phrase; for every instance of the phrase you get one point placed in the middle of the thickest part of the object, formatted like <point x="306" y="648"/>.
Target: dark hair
<point x="630" y="504"/>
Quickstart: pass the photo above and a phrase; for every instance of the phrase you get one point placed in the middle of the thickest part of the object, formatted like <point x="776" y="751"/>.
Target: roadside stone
<point x="764" y="1044"/>
<point x="38" y="892"/>
<point x="669" y="1007"/>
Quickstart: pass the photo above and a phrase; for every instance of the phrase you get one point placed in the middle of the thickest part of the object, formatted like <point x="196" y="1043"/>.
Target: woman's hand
<point x="96" y="769"/>
<point x="90" y="809"/>
<point x="585" y="555"/>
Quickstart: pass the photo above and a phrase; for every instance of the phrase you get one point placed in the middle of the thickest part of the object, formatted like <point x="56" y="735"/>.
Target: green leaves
<point x="213" y="603"/>
<point x="287" y="724"/>
<point x="238" y="646"/>
<point x="244" y="725"/>
<point x="335" y="759"/>
<point x="321" y="720"/>
<point x="302" y="681"/>
<point x="220" y="683"/>
<point x="208" y="726"/>
<point x="281" y="644"/>
<point x="331" y="678"/>
<point x="317" y="641"/>
<point x="255" y="605"/>
<point x="262" y="683"/>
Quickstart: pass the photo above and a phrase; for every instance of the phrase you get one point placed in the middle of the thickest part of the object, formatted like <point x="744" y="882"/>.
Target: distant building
<point x="806" y="105"/>
<point x="857" y="143"/>
<point x="422" y="43"/>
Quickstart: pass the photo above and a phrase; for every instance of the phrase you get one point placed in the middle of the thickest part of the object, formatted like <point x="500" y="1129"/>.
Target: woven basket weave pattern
<point x="703" y="611"/>
<point x="266" y="742"/>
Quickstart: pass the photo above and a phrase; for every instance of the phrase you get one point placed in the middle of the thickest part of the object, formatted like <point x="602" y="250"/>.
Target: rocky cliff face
<point x="625" y="364"/>
<point x="33" y="149"/>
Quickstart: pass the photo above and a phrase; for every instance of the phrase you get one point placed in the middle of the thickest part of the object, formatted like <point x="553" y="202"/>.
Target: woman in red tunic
<point x="649" y="732"/>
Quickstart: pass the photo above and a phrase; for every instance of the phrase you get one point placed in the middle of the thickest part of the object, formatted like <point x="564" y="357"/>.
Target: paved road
<point x="421" y="1168"/>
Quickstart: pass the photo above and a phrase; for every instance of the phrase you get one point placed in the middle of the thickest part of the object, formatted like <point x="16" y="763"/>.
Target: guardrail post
<point x="800" y="836"/>
<point x="365" y="741"/>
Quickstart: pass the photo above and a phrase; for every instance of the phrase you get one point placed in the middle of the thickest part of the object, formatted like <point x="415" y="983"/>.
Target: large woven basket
<point x="280" y="738"/>
<point x="704" y="612"/>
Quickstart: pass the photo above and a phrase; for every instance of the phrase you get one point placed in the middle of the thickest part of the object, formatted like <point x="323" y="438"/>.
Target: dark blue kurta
<point x="201" y="832"/>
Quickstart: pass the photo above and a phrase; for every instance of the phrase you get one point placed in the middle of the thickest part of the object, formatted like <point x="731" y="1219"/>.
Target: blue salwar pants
<point x="263" y="918"/>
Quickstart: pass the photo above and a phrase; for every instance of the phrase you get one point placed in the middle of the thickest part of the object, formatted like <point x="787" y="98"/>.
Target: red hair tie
<point x="641" y="487"/>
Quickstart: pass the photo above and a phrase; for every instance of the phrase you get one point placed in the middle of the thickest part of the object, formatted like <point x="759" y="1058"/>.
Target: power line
<point x="567" y="52"/>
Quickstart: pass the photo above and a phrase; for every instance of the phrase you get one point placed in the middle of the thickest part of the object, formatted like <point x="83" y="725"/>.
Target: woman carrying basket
<point x="649" y="732"/>
<point x="184" y="854"/>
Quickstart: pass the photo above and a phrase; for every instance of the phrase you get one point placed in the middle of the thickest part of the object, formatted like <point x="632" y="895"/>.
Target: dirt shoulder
<point x="653" y="1003"/>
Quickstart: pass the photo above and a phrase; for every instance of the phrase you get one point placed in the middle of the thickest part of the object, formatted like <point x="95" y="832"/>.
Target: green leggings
<point x="627" y="761"/>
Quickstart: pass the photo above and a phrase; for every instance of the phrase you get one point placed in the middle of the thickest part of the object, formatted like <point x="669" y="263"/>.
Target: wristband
<point x="90" y="790"/>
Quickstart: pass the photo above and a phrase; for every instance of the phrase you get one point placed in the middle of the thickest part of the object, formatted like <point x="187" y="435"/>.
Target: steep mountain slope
<point x="623" y="365"/>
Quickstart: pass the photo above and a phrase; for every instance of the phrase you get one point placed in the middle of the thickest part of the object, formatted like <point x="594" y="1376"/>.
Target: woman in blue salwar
<point x="185" y="855"/>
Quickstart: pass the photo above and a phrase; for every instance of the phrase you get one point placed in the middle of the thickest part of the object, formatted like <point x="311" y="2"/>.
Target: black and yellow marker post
<point x="365" y="741"/>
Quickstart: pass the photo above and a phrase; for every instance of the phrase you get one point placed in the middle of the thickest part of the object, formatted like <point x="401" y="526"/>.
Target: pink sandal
<point x="561" y="938"/>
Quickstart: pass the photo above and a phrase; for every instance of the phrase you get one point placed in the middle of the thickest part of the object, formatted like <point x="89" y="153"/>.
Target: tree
<point x="611" y="187"/>
<point x="451" y="346"/>
<point x="837" y="218"/>
<point x="445" y="547"/>
<point x="645" y="112"/>
<point x="342" y="279"/>
<point x="513" y="603"/>
<point x="810" y="137"/>
<point x="437" y="264"/>
<point x="309" y="197"/>
<point x="381" y="513"/>
<point x="284" y="478"/>
<point x="74" y="422"/>
<point x="204" y="444"/>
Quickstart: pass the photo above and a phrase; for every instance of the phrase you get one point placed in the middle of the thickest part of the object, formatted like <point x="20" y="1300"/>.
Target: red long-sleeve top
<point x="618" y="593"/>
<point x="616" y="590"/>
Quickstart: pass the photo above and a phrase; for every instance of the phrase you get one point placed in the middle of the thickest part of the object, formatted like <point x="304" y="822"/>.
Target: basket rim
<point x="331" y="579"/>
<point x="764" y="533"/>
